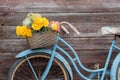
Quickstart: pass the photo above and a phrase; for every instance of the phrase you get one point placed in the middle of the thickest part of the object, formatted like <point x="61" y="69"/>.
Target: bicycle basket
<point x="41" y="40"/>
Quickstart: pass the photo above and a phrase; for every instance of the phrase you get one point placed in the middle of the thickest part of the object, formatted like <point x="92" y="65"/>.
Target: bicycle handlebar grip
<point x="72" y="27"/>
<point x="65" y="30"/>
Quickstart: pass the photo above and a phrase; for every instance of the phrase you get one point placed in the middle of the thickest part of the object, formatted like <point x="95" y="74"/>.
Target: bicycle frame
<point x="99" y="71"/>
<point x="103" y="71"/>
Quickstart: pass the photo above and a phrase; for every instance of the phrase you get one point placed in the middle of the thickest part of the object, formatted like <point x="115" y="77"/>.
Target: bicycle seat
<point x="110" y="30"/>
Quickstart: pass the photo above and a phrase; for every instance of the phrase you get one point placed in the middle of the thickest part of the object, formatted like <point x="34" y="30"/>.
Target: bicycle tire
<point x="114" y="72"/>
<point x="118" y="72"/>
<point x="20" y="70"/>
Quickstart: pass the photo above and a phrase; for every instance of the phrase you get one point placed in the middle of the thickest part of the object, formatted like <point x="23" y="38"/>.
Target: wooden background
<point x="88" y="16"/>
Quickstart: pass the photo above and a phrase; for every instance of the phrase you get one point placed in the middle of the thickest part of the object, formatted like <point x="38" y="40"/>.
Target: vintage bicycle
<point x="48" y="64"/>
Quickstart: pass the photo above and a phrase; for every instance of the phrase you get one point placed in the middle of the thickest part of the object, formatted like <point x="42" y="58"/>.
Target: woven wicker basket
<point x="42" y="40"/>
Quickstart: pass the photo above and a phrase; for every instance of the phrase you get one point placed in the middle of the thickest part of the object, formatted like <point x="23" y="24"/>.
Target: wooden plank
<point x="86" y="57"/>
<point x="12" y="19"/>
<point x="8" y="32"/>
<point x="17" y="45"/>
<point x="6" y="60"/>
<point x="12" y="45"/>
<point x="2" y="2"/>
<point x="90" y="57"/>
<point x="88" y="43"/>
<point x="97" y="56"/>
<point x="63" y="5"/>
<point x="86" y="30"/>
<point x="93" y="56"/>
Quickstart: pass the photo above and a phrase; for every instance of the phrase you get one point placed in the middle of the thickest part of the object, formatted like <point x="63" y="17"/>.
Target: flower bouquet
<point x="38" y="31"/>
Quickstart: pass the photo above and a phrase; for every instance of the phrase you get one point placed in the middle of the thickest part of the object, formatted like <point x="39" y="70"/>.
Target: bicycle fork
<point x="48" y="67"/>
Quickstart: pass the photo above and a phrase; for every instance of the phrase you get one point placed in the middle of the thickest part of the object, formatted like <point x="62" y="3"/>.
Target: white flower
<point x="27" y="22"/>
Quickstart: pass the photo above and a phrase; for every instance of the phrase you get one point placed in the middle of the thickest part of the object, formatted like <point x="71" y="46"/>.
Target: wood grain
<point x="88" y="16"/>
<point x="16" y="45"/>
<point x="9" y="32"/>
<point x="12" y="18"/>
<point x="88" y="61"/>
<point x="62" y="5"/>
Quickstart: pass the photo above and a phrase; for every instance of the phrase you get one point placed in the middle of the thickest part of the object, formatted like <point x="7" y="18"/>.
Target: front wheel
<point x="118" y="72"/>
<point x="22" y="71"/>
<point x="115" y="69"/>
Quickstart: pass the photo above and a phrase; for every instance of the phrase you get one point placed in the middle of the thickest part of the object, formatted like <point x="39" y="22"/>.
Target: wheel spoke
<point x="22" y="71"/>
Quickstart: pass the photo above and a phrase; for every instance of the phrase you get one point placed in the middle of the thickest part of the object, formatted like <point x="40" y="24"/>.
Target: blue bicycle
<point x="48" y="64"/>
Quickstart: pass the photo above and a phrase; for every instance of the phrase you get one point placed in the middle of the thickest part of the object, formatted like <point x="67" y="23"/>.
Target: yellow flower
<point x="45" y="22"/>
<point x="18" y="30"/>
<point x="36" y="26"/>
<point x="38" y="20"/>
<point x="28" y="32"/>
<point x="23" y="31"/>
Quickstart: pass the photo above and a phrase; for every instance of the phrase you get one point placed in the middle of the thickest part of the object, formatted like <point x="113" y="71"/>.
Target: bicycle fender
<point x="115" y="64"/>
<point x="48" y="51"/>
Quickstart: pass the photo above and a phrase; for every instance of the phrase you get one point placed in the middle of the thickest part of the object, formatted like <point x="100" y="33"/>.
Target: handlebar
<point x="71" y="26"/>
